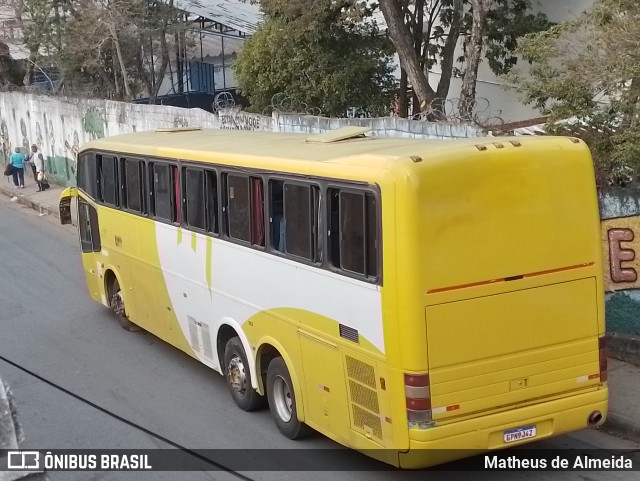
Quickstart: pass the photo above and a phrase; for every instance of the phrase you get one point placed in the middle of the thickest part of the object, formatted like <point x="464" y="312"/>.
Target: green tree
<point x="323" y="54"/>
<point x="585" y="75"/>
<point x="108" y="48"/>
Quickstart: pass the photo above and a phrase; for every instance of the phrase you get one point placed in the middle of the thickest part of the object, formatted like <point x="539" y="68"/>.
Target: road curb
<point x="624" y="347"/>
<point x="22" y="199"/>
<point x="9" y="436"/>
<point x="8" y="439"/>
<point x="622" y="425"/>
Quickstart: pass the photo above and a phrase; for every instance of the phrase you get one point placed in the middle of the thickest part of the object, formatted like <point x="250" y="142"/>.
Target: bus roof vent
<point x="345" y="133"/>
<point x="178" y="129"/>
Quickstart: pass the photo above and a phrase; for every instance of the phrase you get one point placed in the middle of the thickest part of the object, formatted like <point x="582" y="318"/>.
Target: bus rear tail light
<point x="418" y="399"/>
<point x="602" y="352"/>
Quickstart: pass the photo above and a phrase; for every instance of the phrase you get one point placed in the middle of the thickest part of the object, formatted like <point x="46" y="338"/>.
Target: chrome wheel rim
<point x="236" y="375"/>
<point x="282" y="399"/>
<point x="118" y="304"/>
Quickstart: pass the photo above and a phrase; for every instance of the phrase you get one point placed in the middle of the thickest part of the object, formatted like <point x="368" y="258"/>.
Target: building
<point x="502" y="103"/>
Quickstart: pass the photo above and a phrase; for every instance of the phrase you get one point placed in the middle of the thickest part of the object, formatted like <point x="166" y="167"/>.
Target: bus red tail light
<point x="602" y="351"/>
<point x="418" y="398"/>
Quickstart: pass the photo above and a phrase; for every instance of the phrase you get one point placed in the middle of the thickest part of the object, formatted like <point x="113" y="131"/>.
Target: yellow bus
<point x="416" y="300"/>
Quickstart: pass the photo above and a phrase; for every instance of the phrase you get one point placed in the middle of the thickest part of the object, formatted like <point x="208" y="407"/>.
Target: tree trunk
<point x="473" y="55"/>
<point x="116" y="80"/>
<point x="449" y="50"/>
<point x="164" y="52"/>
<point x="403" y="102"/>
<point x="404" y="45"/>
<point x="123" y="68"/>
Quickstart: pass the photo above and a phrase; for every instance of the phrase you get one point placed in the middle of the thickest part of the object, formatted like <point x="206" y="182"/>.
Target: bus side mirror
<point x="65" y="204"/>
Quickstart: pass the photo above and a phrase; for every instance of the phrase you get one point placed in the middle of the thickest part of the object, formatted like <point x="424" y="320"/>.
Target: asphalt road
<point x="80" y="381"/>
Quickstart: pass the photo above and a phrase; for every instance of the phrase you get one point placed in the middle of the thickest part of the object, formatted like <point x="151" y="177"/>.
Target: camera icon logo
<point x="23" y="460"/>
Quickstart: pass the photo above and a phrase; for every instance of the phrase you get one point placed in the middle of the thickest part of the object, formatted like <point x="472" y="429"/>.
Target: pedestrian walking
<point x="37" y="167"/>
<point x="17" y="162"/>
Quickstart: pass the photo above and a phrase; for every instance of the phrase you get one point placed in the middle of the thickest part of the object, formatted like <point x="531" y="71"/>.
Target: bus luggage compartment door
<point x="489" y="352"/>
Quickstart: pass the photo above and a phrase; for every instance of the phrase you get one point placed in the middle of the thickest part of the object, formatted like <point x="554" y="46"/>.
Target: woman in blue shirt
<point x="17" y="161"/>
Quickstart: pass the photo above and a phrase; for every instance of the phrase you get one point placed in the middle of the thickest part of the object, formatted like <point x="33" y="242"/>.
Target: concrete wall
<point x="620" y="213"/>
<point x="61" y="125"/>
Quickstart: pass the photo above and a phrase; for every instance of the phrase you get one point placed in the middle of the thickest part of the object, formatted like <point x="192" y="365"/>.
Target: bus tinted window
<point x="132" y="183"/>
<point x="195" y="199"/>
<point x="292" y="209"/>
<point x="238" y="202"/>
<point x="257" y="212"/>
<point x="108" y="180"/>
<point x="88" y="175"/>
<point x="245" y="202"/>
<point x="353" y="232"/>
<point x="162" y="192"/>
<point x="212" y="201"/>
<point x="298" y="215"/>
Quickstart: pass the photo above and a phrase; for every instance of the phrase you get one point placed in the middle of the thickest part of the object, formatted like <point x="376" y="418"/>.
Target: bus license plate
<point x="517" y="434"/>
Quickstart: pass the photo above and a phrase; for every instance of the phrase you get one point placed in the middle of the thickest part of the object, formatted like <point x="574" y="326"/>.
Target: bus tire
<point x="282" y="400"/>
<point x="116" y="301"/>
<point x="238" y="377"/>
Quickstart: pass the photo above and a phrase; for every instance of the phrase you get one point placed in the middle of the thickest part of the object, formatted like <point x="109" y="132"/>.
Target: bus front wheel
<point x="282" y="400"/>
<point x="238" y="377"/>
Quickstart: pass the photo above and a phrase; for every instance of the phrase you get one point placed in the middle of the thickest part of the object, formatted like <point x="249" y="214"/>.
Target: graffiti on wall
<point x="234" y="119"/>
<point x="25" y="138"/>
<point x="621" y="241"/>
<point x="93" y="123"/>
<point x="621" y="255"/>
<point x="4" y="138"/>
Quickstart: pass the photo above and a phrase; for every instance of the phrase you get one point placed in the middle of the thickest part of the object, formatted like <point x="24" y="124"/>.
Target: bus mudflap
<point x="65" y="204"/>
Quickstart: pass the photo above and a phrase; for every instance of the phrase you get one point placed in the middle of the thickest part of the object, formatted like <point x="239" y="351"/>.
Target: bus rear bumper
<point x="474" y="436"/>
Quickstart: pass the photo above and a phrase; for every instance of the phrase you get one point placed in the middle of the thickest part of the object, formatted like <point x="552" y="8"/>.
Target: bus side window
<point x="293" y="209"/>
<point x="277" y="215"/>
<point x="88" y="175"/>
<point x="108" y="180"/>
<point x="257" y="212"/>
<point x="298" y="215"/>
<point x="238" y="207"/>
<point x="132" y="184"/>
<point x="245" y="209"/>
<point x="194" y="196"/>
<point x="162" y="191"/>
<point x="353" y="233"/>
<point x="212" y="201"/>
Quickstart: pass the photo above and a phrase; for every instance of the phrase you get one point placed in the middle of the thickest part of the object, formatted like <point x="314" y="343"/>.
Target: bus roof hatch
<point x="337" y="135"/>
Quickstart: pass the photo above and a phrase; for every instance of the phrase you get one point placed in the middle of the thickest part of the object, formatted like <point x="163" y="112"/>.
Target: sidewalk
<point x="44" y="202"/>
<point x="624" y="399"/>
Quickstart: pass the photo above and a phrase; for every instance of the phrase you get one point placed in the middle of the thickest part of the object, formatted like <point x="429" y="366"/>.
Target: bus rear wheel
<point x="282" y="400"/>
<point x="116" y="301"/>
<point x="238" y="377"/>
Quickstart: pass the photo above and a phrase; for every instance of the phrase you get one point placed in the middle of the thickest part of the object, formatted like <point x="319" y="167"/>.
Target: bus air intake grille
<point x="207" y="350"/>
<point x="361" y="372"/>
<point x="366" y="421"/>
<point x="193" y="334"/>
<point x="349" y="333"/>
<point x="364" y="396"/>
